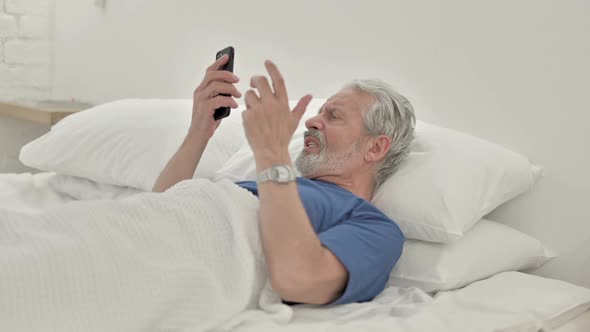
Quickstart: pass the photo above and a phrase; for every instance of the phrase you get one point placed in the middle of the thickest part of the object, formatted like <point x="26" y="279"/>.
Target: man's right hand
<point x="207" y="98"/>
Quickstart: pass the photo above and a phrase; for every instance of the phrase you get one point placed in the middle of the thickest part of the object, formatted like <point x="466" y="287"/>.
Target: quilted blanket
<point x="188" y="259"/>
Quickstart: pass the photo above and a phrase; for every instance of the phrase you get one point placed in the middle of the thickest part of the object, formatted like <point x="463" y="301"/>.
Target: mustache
<point x="313" y="133"/>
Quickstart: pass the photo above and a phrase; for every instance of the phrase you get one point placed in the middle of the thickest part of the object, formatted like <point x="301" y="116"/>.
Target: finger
<point x="261" y="83"/>
<point x="220" y="75"/>
<point x="301" y="106"/>
<point x="217" y="87"/>
<point x="245" y="115"/>
<point x="218" y="63"/>
<point x="221" y="101"/>
<point x="251" y="98"/>
<point x="278" y="82"/>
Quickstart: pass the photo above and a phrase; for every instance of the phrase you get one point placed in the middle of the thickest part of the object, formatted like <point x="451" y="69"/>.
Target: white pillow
<point x="128" y="142"/>
<point x="449" y="181"/>
<point x="487" y="249"/>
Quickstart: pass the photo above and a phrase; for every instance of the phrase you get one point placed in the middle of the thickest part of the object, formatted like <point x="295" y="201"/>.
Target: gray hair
<point x="391" y="115"/>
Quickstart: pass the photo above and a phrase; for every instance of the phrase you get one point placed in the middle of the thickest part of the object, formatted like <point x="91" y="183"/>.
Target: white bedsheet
<point x="84" y="189"/>
<point x="36" y="192"/>
<point x="510" y="301"/>
<point x="30" y="192"/>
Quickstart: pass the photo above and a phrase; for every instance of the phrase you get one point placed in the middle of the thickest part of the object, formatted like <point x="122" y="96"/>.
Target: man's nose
<point x="314" y="123"/>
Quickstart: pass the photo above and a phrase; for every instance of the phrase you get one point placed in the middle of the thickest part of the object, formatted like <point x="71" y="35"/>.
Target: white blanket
<point x="187" y="259"/>
<point x="190" y="259"/>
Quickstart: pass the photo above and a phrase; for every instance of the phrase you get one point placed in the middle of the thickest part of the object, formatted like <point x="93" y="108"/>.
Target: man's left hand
<point x="268" y="121"/>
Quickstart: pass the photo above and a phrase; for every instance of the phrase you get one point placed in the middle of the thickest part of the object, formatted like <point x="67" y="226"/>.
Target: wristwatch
<point x="277" y="174"/>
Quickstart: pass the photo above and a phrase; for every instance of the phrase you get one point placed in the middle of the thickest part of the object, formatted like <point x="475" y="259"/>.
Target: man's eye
<point x="332" y="115"/>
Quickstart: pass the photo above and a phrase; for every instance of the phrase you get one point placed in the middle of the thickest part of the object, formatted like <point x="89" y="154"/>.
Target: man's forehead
<point x="350" y="100"/>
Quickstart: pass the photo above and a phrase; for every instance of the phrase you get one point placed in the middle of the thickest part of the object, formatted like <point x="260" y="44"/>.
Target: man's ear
<point x="379" y="146"/>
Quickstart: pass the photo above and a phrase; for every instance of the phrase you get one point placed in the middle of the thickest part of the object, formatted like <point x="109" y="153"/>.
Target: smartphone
<point x="223" y="112"/>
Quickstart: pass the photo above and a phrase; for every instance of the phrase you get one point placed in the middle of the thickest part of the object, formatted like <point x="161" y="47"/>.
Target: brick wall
<point x="25" y="71"/>
<point x="25" y="49"/>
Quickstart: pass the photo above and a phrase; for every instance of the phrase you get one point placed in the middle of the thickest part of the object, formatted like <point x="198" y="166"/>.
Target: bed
<point x="460" y="293"/>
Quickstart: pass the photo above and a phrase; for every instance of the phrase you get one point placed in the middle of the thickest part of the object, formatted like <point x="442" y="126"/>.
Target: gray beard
<point x="314" y="165"/>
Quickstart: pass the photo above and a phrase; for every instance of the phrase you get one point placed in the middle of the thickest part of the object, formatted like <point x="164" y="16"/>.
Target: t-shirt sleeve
<point x="368" y="245"/>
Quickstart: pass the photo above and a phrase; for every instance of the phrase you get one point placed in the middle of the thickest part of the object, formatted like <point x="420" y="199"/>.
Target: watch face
<point x="282" y="173"/>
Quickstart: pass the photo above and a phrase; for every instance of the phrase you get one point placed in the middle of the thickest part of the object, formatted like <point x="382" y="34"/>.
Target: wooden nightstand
<point x="22" y="122"/>
<point x="47" y="112"/>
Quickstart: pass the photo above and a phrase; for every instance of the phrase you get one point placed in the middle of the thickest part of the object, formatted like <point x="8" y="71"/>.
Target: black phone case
<point x="223" y="112"/>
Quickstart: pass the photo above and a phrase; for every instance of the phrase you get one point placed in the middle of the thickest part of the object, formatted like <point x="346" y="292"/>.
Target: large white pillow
<point x="487" y="249"/>
<point x="128" y="142"/>
<point x="449" y="181"/>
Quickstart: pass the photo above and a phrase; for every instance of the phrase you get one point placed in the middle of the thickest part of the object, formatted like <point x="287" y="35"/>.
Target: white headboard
<point x="516" y="73"/>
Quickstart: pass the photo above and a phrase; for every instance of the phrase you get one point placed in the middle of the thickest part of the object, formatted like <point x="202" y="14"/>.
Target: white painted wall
<point x="25" y="49"/>
<point x="513" y="72"/>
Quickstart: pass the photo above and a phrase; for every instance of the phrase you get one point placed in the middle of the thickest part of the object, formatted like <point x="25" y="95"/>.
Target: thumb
<point x="301" y="107"/>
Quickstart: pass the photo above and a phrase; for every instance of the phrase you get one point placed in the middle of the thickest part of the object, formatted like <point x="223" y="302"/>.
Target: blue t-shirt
<point x="365" y="240"/>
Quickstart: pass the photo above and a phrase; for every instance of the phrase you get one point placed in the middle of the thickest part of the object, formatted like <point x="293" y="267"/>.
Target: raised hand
<point x="207" y="98"/>
<point x="268" y="121"/>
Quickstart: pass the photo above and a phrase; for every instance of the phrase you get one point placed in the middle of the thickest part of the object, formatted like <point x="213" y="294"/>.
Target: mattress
<point x="581" y="323"/>
<point x="507" y="302"/>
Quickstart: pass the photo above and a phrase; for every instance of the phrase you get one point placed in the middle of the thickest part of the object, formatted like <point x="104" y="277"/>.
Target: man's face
<point x="334" y="142"/>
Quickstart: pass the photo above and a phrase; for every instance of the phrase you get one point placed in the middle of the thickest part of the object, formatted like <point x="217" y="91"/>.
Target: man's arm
<point x="206" y="100"/>
<point x="301" y="269"/>
<point x="183" y="164"/>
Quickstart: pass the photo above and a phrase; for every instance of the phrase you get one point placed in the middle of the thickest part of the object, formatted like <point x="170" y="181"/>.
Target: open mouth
<point x="311" y="143"/>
